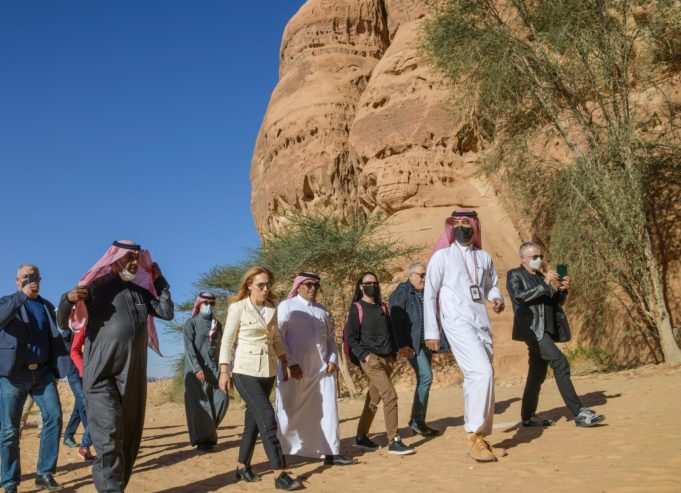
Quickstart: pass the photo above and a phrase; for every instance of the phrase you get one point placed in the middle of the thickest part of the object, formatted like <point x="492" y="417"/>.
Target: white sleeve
<point x="491" y="285"/>
<point x="434" y="277"/>
<point x="283" y="315"/>
<point x="230" y="334"/>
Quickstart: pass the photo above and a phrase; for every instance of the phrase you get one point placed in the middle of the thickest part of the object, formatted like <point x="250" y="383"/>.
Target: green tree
<point x="338" y="248"/>
<point x="570" y="70"/>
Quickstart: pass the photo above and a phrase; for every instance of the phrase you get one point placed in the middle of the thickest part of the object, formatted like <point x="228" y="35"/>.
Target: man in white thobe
<point x="306" y="409"/>
<point x="461" y="276"/>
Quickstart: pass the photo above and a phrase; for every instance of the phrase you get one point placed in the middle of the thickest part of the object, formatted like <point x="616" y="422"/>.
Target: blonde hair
<point x="247" y="280"/>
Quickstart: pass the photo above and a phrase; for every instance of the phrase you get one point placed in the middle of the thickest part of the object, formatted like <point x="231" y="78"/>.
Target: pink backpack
<point x="349" y="356"/>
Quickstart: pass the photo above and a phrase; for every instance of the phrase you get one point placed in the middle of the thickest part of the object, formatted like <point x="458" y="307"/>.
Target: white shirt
<point x="447" y="277"/>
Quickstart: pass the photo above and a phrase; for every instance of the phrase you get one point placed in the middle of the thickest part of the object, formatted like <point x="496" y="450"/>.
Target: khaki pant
<point x="378" y="370"/>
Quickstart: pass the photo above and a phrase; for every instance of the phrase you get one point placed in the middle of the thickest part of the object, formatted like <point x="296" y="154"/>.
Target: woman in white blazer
<point x="248" y="359"/>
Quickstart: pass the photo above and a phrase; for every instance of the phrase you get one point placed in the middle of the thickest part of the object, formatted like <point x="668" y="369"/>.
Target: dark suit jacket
<point x="14" y="337"/>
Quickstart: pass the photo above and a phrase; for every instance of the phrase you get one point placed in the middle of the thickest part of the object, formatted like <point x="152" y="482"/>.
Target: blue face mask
<point x="206" y="309"/>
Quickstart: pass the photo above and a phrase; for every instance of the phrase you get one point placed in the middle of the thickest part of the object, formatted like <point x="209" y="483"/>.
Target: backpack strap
<point x="360" y="313"/>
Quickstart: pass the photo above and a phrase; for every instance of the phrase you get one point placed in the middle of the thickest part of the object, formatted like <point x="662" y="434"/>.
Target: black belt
<point x="33" y="366"/>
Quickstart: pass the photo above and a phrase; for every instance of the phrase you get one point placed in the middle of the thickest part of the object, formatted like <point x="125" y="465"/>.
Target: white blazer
<point x="250" y="340"/>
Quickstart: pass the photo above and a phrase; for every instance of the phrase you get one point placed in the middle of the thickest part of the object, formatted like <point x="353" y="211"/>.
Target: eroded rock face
<point x="358" y="119"/>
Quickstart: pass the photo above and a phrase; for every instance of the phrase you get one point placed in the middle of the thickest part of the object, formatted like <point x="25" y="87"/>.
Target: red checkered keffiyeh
<point x="200" y="300"/>
<point x="143" y="279"/>
<point x="447" y="236"/>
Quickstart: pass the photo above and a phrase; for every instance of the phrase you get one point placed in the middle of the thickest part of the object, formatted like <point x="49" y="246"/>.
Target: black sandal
<point x="536" y="421"/>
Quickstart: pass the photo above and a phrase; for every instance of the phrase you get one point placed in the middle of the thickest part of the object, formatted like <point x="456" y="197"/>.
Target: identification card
<point x="475" y="292"/>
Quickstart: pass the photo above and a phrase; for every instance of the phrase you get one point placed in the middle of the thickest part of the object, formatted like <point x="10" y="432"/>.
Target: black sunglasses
<point x="421" y="275"/>
<point x="310" y="285"/>
<point x="369" y="284"/>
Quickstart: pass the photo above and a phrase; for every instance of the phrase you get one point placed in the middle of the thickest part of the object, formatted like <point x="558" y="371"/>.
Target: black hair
<point x="358" y="292"/>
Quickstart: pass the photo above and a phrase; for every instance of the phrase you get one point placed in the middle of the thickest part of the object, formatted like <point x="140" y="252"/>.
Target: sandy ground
<point x="638" y="449"/>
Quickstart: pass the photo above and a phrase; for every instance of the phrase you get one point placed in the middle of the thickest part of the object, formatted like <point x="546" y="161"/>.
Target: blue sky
<point x="131" y="120"/>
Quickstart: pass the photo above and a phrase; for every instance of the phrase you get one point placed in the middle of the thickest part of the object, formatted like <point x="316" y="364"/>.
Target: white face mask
<point x="206" y="309"/>
<point x="126" y="275"/>
<point x="535" y="264"/>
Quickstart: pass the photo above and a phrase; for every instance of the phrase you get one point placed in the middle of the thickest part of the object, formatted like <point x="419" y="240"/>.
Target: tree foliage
<point x="577" y="72"/>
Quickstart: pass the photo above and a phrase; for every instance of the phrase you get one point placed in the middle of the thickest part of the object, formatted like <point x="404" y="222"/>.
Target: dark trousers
<point x="259" y="418"/>
<point x="116" y="425"/>
<point x="542" y="354"/>
<point x="78" y="415"/>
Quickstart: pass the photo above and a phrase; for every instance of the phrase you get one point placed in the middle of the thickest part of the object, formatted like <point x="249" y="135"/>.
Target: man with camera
<point x="539" y="320"/>
<point x="32" y="357"/>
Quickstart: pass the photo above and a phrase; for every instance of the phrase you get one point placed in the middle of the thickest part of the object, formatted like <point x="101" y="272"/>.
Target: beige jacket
<point x="251" y="341"/>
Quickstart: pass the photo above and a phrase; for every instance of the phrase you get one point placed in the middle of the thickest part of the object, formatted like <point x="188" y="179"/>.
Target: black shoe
<point x="339" y="460"/>
<point x="47" y="482"/>
<point x="423" y="430"/>
<point x="397" y="447"/>
<point x="247" y="474"/>
<point x="537" y="421"/>
<point x="205" y="447"/>
<point x="286" y="482"/>
<point x="365" y="443"/>
<point x="11" y="489"/>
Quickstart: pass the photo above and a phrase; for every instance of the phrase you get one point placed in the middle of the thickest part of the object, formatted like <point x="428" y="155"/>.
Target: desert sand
<point x="638" y="449"/>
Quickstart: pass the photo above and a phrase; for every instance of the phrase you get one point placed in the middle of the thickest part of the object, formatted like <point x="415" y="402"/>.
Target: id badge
<point x="475" y="292"/>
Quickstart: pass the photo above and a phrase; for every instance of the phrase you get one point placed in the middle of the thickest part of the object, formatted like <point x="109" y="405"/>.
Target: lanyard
<point x="465" y="264"/>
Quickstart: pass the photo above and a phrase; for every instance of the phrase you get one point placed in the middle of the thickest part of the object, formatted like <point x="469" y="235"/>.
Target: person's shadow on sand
<point x="526" y="435"/>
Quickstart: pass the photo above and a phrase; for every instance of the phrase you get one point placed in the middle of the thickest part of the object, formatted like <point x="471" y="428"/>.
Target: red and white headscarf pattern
<point x="143" y="279"/>
<point x="300" y="279"/>
<point x="447" y="236"/>
<point x="200" y="300"/>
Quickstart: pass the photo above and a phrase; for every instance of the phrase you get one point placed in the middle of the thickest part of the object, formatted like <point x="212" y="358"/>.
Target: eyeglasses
<point x="262" y="286"/>
<point x="422" y="275"/>
<point x="535" y="257"/>
<point x="210" y="303"/>
<point x="311" y="285"/>
<point x="369" y="284"/>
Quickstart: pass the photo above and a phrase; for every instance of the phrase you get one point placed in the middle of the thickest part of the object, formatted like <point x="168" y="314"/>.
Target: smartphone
<point x="32" y="277"/>
<point x="562" y="271"/>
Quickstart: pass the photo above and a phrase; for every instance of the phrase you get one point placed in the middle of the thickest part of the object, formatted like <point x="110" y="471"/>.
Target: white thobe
<point x="307" y="411"/>
<point x="465" y="324"/>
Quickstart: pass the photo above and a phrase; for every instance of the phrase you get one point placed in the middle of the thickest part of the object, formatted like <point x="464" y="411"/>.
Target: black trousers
<point x="259" y="418"/>
<point x="542" y="354"/>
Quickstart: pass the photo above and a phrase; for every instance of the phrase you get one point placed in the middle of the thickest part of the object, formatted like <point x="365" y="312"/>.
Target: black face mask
<point x="372" y="291"/>
<point x="463" y="235"/>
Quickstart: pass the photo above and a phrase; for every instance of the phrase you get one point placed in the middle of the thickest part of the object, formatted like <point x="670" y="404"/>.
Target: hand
<point x="433" y="344"/>
<point x="31" y="290"/>
<point x="330" y="367"/>
<point x="77" y="294"/>
<point x="565" y="284"/>
<point x="155" y="271"/>
<point x="406" y="352"/>
<point x="295" y="372"/>
<point x="200" y="376"/>
<point x="225" y="381"/>
<point x="551" y="275"/>
<point x="498" y="305"/>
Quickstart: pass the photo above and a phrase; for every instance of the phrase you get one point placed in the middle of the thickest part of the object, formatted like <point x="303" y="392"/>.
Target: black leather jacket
<point x="529" y="294"/>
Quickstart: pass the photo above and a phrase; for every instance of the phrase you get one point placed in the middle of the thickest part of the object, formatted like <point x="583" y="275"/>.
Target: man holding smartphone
<point x="539" y="320"/>
<point x="32" y="357"/>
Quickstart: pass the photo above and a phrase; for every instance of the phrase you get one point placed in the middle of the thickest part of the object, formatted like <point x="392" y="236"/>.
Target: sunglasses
<point x="369" y="284"/>
<point x="263" y="285"/>
<point x="535" y="257"/>
<point x="310" y="285"/>
<point x="421" y="275"/>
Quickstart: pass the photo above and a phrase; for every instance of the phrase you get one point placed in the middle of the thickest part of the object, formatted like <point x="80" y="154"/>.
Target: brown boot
<point x="477" y="448"/>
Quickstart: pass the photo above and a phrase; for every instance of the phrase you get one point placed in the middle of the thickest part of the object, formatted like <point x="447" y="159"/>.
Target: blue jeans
<point x="421" y="363"/>
<point x="40" y="384"/>
<point x="78" y="415"/>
